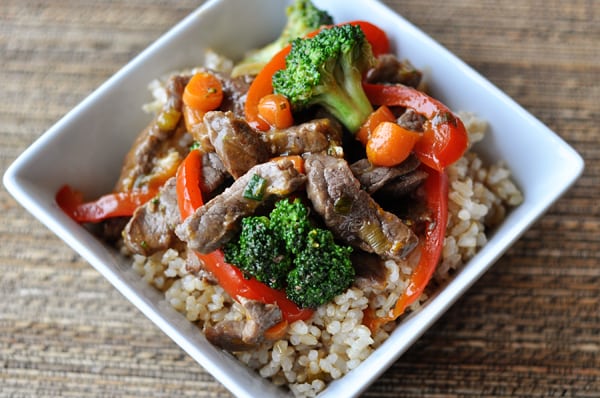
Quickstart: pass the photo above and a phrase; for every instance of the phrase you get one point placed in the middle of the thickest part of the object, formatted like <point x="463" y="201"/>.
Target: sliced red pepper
<point x="187" y="183"/>
<point x="118" y="204"/>
<point x="230" y="278"/>
<point x="262" y="84"/>
<point x="436" y="198"/>
<point x="444" y="139"/>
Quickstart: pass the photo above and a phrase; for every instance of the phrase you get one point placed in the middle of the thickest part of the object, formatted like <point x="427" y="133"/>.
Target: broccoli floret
<point x="285" y="251"/>
<point x="289" y="220"/>
<point x="327" y="70"/>
<point x="302" y="18"/>
<point x="322" y="270"/>
<point x="259" y="253"/>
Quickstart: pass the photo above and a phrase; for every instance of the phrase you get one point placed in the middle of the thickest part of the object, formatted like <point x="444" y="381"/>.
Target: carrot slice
<point x="379" y="115"/>
<point x="276" y="110"/>
<point x="203" y="92"/>
<point x="390" y="144"/>
<point x="193" y="118"/>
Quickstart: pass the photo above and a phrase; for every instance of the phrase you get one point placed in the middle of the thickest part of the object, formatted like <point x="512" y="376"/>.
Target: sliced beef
<point x="313" y="136"/>
<point x="372" y="178"/>
<point x="199" y="133"/>
<point x="236" y="143"/>
<point x="403" y="185"/>
<point x="214" y="173"/>
<point x="389" y="182"/>
<point x="151" y="228"/>
<point x="389" y="69"/>
<point x="350" y="212"/>
<point x="166" y="133"/>
<point x="234" y="93"/>
<point x="247" y="334"/>
<point x="370" y="269"/>
<point x="213" y="224"/>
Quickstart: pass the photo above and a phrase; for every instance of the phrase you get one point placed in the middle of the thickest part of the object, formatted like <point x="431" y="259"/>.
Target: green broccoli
<point x="259" y="253"/>
<point x="302" y="18"/>
<point x="327" y="70"/>
<point x="285" y="251"/>
<point x="322" y="270"/>
<point x="289" y="220"/>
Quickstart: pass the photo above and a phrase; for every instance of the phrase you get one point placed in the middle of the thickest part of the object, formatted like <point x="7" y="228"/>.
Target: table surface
<point x="529" y="327"/>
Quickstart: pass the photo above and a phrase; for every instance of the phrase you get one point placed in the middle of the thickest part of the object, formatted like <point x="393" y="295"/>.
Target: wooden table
<point x="530" y="327"/>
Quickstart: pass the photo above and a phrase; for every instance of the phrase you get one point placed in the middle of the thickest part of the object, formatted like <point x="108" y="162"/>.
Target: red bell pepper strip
<point x="436" y="198"/>
<point x="187" y="184"/>
<point x="119" y="204"/>
<point x="444" y="139"/>
<point x="230" y="278"/>
<point x="262" y="84"/>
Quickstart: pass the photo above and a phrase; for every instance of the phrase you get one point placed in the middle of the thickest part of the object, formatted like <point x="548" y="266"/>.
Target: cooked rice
<point x="334" y="341"/>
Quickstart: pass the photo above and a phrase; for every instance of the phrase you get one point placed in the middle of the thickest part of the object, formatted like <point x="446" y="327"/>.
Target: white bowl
<point x="86" y="147"/>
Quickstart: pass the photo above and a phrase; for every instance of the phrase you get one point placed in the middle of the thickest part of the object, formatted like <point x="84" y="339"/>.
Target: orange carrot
<point x="381" y="114"/>
<point x="276" y="110"/>
<point x="390" y="144"/>
<point x="192" y="117"/>
<point x="203" y="92"/>
<point x="262" y="85"/>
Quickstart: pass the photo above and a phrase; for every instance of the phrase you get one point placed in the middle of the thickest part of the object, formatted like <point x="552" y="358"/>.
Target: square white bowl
<point x="86" y="148"/>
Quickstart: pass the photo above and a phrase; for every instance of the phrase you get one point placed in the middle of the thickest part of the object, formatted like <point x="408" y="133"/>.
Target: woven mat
<point x="529" y="327"/>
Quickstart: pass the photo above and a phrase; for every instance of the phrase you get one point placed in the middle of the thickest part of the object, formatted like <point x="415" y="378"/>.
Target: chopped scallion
<point x="256" y="188"/>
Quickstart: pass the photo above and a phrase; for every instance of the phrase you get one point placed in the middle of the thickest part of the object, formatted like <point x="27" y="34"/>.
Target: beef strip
<point x="370" y="270"/>
<point x="240" y="147"/>
<point x="350" y="212"/>
<point x="372" y="178"/>
<point x="213" y="224"/>
<point x="245" y="335"/>
<point x="236" y="143"/>
<point x="234" y="93"/>
<point x="312" y="136"/>
<point x="214" y="173"/>
<point x="151" y="228"/>
<point x="154" y="143"/>
<point x="403" y="185"/>
<point x="389" y="69"/>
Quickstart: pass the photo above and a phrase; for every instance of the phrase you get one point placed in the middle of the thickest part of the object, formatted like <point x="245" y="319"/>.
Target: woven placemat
<point x="530" y="327"/>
